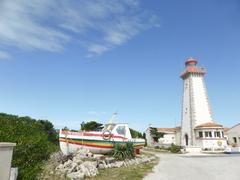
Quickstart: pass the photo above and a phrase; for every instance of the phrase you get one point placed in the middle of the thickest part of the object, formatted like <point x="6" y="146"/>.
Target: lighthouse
<point x="198" y="129"/>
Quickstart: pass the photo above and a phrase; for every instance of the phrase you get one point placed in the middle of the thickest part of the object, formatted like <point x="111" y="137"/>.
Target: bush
<point x="123" y="151"/>
<point x="135" y="134"/>
<point x="33" y="143"/>
<point x="174" y="148"/>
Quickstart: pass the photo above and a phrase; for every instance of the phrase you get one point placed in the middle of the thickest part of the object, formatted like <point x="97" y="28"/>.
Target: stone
<point x="98" y="156"/>
<point x="75" y="176"/>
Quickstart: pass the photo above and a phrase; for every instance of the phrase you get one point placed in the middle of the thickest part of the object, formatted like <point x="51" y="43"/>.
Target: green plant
<point x="174" y="148"/>
<point x="123" y="151"/>
<point x="91" y="126"/>
<point x="35" y="142"/>
<point x="135" y="134"/>
<point x="155" y="134"/>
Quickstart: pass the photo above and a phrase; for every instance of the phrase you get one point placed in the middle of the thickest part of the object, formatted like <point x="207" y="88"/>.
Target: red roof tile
<point x="209" y="125"/>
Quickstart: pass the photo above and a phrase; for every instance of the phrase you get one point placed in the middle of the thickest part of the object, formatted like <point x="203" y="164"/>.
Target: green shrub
<point x="174" y="148"/>
<point x="135" y="134"/>
<point x="123" y="151"/>
<point x="33" y="143"/>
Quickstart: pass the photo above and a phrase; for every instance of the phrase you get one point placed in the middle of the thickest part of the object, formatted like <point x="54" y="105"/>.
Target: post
<point x="6" y="151"/>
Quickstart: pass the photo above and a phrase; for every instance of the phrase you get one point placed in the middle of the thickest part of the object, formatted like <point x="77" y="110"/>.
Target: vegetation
<point x="123" y="151"/>
<point x="155" y="134"/>
<point x="91" y="126"/>
<point x="132" y="172"/>
<point x="35" y="140"/>
<point x="174" y="148"/>
<point x="135" y="134"/>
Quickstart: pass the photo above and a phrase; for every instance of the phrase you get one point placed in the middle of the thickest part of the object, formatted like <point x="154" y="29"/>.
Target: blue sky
<point x="74" y="61"/>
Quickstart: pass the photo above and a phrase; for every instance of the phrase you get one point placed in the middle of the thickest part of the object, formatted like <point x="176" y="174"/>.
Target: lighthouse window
<point x="217" y="134"/>
<point x="200" y="133"/>
<point x="208" y="134"/>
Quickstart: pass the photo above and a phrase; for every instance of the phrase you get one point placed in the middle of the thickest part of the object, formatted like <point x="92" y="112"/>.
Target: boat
<point x="99" y="142"/>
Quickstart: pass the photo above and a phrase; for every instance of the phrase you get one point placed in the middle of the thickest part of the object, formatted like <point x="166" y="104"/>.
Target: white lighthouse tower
<point x="197" y="126"/>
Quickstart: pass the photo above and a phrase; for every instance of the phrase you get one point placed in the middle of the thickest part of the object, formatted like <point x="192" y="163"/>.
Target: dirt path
<point x="179" y="167"/>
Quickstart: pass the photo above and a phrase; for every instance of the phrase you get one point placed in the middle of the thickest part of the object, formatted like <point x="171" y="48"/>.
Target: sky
<point x="74" y="61"/>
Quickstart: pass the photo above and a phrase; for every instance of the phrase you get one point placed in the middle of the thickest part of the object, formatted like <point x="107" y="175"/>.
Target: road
<point x="180" y="167"/>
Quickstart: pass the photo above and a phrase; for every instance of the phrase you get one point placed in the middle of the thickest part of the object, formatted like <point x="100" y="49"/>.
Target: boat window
<point x="109" y="127"/>
<point x="121" y="130"/>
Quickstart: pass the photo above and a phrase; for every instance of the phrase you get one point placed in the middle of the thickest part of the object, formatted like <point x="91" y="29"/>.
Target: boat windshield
<point x="109" y="127"/>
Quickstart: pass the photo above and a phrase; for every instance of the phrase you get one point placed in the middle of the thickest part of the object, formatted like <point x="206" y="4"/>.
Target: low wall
<point x="6" y="150"/>
<point x="195" y="149"/>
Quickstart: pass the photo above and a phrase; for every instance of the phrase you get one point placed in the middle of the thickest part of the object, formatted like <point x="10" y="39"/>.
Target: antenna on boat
<point x="112" y="118"/>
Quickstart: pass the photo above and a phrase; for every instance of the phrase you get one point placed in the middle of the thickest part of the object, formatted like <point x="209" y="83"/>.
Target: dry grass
<point x="136" y="172"/>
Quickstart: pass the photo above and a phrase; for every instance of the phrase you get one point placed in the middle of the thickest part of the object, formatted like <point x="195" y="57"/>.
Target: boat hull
<point x="93" y="141"/>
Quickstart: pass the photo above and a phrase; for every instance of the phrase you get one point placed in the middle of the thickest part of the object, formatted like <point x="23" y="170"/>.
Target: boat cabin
<point x="118" y="129"/>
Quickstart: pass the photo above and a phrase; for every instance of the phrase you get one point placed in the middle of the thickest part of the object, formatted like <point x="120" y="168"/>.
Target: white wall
<point x="202" y="112"/>
<point x="167" y="139"/>
<point x="149" y="138"/>
<point x="234" y="132"/>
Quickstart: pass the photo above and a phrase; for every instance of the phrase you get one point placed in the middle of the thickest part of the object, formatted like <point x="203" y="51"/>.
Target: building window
<point x="208" y="134"/>
<point x="222" y="134"/>
<point x="234" y="139"/>
<point x="200" y="134"/>
<point x="217" y="134"/>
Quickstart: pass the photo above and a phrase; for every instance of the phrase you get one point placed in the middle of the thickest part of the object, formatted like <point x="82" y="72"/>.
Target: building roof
<point x="233" y="127"/>
<point x="168" y="130"/>
<point x="209" y="125"/>
<point x="226" y="129"/>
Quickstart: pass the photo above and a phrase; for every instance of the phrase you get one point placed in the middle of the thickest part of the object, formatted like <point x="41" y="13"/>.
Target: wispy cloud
<point x="4" y="55"/>
<point x="99" y="25"/>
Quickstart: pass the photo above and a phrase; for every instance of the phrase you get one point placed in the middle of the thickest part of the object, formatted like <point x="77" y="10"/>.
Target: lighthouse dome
<point x="191" y="62"/>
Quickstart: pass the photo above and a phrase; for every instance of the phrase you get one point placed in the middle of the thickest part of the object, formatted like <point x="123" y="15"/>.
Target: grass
<point x="156" y="150"/>
<point x="135" y="172"/>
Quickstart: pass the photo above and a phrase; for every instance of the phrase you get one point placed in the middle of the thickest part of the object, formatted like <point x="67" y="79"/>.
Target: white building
<point x="233" y="135"/>
<point x="170" y="136"/>
<point x="198" y="129"/>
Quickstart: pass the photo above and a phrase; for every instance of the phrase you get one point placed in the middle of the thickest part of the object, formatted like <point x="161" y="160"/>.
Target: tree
<point x="155" y="134"/>
<point x="135" y="134"/>
<point x="91" y="126"/>
<point x="33" y="145"/>
<point x="49" y="129"/>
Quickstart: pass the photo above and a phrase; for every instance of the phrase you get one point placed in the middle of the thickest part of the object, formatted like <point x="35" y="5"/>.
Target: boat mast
<point x="110" y="121"/>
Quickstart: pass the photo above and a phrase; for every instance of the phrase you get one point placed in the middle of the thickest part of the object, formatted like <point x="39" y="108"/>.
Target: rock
<point x="98" y="156"/>
<point x="90" y="168"/>
<point x="101" y="166"/>
<point x="75" y="175"/>
<point x="68" y="164"/>
<point x="73" y="167"/>
<point x="110" y="160"/>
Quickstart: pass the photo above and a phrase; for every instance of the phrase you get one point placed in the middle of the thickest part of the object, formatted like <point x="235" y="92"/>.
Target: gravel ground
<point x="197" y="167"/>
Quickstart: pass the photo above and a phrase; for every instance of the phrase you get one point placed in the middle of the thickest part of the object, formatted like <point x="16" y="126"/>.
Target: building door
<point x="186" y="139"/>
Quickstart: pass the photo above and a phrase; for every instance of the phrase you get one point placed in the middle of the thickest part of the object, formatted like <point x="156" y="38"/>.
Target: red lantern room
<point x="191" y="62"/>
